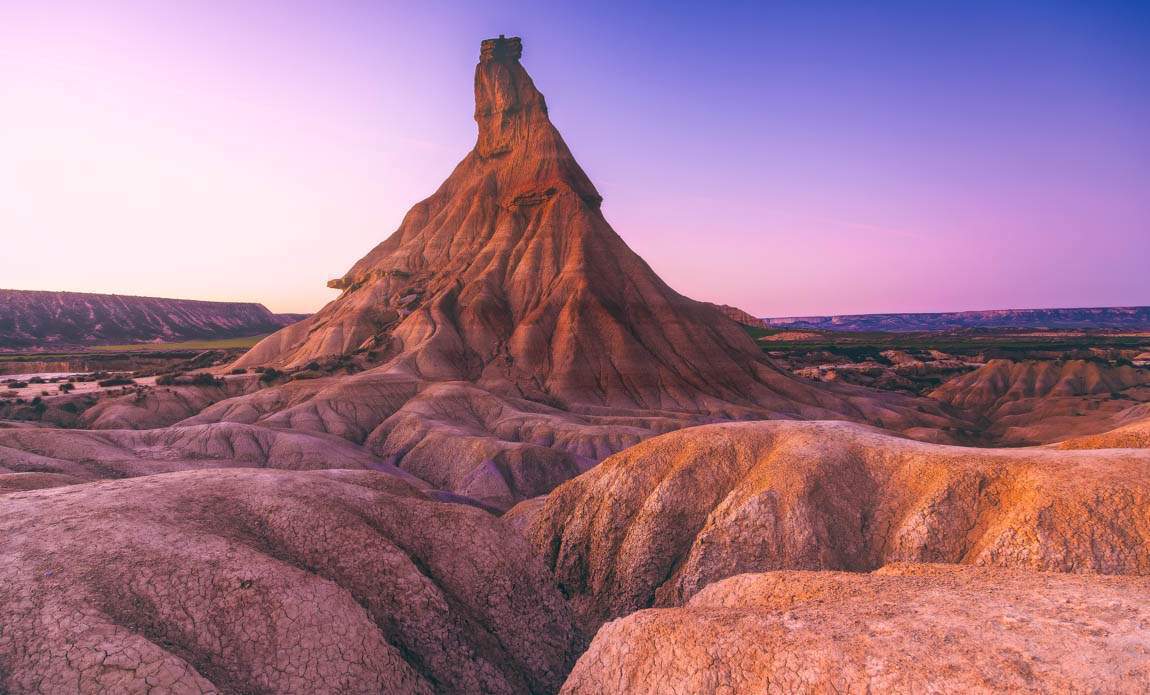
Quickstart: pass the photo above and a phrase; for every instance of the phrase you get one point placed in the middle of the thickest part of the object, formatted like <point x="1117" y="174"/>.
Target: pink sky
<point x="811" y="163"/>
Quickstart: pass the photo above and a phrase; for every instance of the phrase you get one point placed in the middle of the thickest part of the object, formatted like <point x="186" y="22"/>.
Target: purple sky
<point x="789" y="157"/>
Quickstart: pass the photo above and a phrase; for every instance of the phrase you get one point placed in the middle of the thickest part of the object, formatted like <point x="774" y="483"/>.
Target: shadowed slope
<point x="904" y="629"/>
<point x="654" y="524"/>
<point x="271" y="581"/>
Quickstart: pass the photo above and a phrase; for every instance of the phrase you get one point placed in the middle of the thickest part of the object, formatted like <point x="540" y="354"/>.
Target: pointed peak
<point x="505" y="97"/>
<point x="502" y="49"/>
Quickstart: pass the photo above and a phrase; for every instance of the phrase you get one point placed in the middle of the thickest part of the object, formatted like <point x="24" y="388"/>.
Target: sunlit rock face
<point x="653" y="525"/>
<point x="903" y="629"/>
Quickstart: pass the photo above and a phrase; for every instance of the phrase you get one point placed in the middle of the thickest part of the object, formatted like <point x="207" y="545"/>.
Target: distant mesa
<point x="55" y="320"/>
<point x="1136" y="318"/>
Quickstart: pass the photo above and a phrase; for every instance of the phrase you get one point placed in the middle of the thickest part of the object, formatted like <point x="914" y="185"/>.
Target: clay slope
<point x="656" y="523"/>
<point x="1038" y="401"/>
<point x="159" y="406"/>
<point x="904" y="629"/>
<point x="1135" y="434"/>
<point x="454" y="435"/>
<point x="86" y="456"/>
<point x="270" y="581"/>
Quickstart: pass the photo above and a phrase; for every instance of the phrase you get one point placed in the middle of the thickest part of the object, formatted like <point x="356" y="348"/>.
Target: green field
<point x="223" y="344"/>
<point x="951" y="341"/>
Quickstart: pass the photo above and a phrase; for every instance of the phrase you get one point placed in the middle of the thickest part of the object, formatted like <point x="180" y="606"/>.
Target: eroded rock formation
<point x="518" y="339"/>
<point x="657" y="522"/>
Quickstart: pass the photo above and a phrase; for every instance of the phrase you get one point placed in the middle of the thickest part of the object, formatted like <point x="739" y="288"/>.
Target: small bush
<point x="313" y="366"/>
<point x="66" y="387"/>
<point x="205" y="379"/>
<point x="17" y="384"/>
<point x="168" y="379"/>
<point x="239" y="370"/>
<point x="115" y="381"/>
<point x="269" y="375"/>
<point x="36" y="380"/>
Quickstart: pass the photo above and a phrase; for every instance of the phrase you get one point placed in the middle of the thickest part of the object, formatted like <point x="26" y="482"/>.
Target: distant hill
<point x="739" y="316"/>
<point x="32" y="319"/>
<point x="1127" y="318"/>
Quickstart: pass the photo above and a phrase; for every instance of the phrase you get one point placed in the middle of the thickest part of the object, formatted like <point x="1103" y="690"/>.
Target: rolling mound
<point x="657" y="522"/>
<point x="88" y="455"/>
<point x="1039" y="401"/>
<point x="271" y="581"/>
<point x="905" y="628"/>
<point x="1001" y="382"/>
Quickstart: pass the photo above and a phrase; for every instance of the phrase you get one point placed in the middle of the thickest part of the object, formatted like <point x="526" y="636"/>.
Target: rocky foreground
<point x="332" y="517"/>
<point x="902" y="629"/>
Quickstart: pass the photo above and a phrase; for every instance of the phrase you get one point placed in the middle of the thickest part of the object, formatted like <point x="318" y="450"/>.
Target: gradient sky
<point x="787" y="157"/>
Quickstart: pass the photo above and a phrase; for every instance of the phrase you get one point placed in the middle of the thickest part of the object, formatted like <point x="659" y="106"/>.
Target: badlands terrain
<point x="509" y="458"/>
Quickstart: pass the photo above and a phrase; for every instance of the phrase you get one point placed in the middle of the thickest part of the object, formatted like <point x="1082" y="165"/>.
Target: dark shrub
<point x="66" y="387"/>
<point x="270" y="374"/>
<point x="168" y="379"/>
<point x="17" y="384"/>
<point x="313" y="366"/>
<point x="36" y="380"/>
<point x="116" y="381"/>
<point x="239" y="370"/>
<point x="205" y="379"/>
